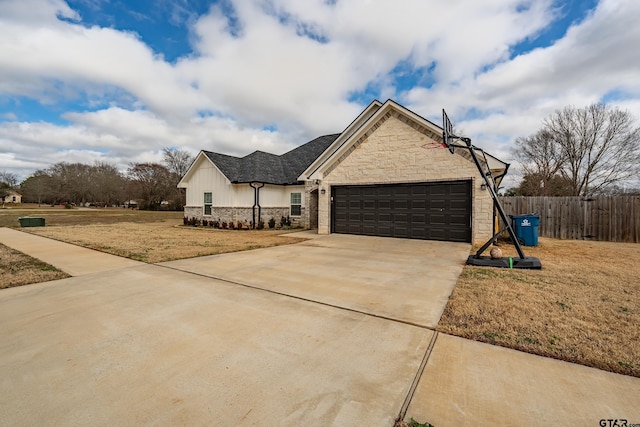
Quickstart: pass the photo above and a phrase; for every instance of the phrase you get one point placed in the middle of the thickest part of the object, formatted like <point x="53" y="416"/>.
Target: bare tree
<point x="9" y="178"/>
<point x="592" y="148"/>
<point x="152" y="184"/>
<point x="177" y="161"/>
<point x="37" y="188"/>
<point x="541" y="160"/>
<point x="107" y="183"/>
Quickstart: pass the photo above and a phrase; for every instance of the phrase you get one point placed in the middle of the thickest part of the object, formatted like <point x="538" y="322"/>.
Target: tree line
<point x="151" y="185"/>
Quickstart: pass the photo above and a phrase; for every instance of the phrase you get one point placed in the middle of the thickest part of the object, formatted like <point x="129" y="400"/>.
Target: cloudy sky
<point x="118" y="80"/>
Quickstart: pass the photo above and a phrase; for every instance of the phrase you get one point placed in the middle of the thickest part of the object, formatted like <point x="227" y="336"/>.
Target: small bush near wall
<point x="285" y="222"/>
<point x="272" y="222"/>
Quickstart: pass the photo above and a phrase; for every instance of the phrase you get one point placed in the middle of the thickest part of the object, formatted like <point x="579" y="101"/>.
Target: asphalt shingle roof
<point x="270" y="168"/>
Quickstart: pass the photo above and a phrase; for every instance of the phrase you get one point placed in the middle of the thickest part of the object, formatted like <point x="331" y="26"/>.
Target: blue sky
<point x="116" y="80"/>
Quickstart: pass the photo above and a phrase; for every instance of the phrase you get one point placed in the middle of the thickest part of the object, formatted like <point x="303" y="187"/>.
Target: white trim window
<point x="296" y="204"/>
<point x="208" y="201"/>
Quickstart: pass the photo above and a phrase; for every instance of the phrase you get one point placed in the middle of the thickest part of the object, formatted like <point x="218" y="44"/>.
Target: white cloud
<point x="292" y="66"/>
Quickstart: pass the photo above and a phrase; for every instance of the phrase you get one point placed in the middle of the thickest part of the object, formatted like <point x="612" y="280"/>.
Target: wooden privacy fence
<point x="606" y="218"/>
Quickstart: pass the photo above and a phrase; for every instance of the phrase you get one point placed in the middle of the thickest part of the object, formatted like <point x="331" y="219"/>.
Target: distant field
<point x="58" y="215"/>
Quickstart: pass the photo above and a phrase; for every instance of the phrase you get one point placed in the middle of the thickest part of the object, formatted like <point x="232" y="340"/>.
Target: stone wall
<point x="244" y="215"/>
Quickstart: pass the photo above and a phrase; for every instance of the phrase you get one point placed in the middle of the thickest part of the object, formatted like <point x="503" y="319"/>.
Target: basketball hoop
<point x="523" y="261"/>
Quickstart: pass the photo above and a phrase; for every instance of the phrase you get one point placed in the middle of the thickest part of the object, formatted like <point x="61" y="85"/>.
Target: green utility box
<point x="31" y="221"/>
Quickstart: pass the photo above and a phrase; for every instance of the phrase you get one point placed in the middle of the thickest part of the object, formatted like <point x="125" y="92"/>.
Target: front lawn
<point x="17" y="269"/>
<point x="582" y="307"/>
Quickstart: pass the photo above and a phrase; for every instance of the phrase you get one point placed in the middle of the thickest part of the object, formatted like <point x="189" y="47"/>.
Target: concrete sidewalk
<point x="72" y="259"/>
<point x="468" y="383"/>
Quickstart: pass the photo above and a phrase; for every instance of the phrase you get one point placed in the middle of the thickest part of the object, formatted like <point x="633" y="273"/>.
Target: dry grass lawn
<point x="162" y="240"/>
<point x="583" y="306"/>
<point x="17" y="269"/>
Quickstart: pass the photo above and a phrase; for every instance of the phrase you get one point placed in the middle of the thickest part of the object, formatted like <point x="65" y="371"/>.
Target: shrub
<point x="216" y="224"/>
<point x="185" y="220"/>
<point x="285" y="222"/>
<point x="224" y="225"/>
<point x="68" y="206"/>
<point x="239" y="226"/>
<point x="205" y="223"/>
<point x="232" y="225"/>
<point x="260" y="225"/>
<point x="272" y="222"/>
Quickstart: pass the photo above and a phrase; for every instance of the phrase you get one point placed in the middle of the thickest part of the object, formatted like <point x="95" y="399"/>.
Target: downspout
<point x="256" y="201"/>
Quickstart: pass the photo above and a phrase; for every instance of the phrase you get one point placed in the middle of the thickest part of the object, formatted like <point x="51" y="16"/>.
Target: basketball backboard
<point x="447" y="132"/>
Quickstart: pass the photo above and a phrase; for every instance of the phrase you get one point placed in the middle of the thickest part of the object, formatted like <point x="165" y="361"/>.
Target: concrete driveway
<point x="150" y="344"/>
<point x="333" y="331"/>
<point x="400" y="279"/>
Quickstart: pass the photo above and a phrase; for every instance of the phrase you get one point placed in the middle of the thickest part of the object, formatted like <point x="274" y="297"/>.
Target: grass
<point x="65" y="217"/>
<point x="141" y="235"/>
<point x="17" y="269"/>
<point x="163" y="240"/>
<point x="582" y="307"/>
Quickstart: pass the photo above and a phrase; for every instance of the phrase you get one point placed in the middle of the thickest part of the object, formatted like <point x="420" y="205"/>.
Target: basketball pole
<point x="496" y="203"/>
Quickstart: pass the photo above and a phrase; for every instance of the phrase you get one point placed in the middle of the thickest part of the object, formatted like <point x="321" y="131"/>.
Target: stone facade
<point x="244" y="215"/>
<point x="397" y="150"/>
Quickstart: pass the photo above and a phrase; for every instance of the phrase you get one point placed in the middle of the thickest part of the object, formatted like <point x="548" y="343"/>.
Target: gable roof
<point x="270" y="168"/>
<point x="366" y="123"/>
<point x="310" y="160"/>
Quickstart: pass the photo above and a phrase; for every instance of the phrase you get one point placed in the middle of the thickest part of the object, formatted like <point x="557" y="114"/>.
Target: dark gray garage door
<point x="432" y="211"/>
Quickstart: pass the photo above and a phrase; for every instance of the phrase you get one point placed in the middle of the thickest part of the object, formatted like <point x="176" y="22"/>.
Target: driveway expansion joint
<point x="270" y="291"/>
<point x="416" y="379"/>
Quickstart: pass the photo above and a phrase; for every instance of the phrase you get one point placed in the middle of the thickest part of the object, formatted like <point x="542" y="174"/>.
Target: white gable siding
<point x="207" y="178"/>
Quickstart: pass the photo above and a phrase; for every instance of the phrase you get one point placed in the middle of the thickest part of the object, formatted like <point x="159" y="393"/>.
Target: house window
<point x="296" y="204"/>
<point x="207" y="203"/>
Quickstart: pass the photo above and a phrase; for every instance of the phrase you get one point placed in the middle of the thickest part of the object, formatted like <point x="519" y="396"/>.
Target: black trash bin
<point x="526" y="228"/>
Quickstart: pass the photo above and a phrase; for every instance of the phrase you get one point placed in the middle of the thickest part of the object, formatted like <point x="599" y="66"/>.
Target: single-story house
<point x="12" y="197"/>
<point x="387" y="174"/>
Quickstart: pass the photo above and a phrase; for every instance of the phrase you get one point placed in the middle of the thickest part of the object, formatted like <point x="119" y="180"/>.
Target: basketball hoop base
<point x="528" y="262"/>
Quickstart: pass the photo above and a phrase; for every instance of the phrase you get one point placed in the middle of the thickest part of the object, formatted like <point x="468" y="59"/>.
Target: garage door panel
<point x="438" y="211"/>
<point x="437" y="219"/>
